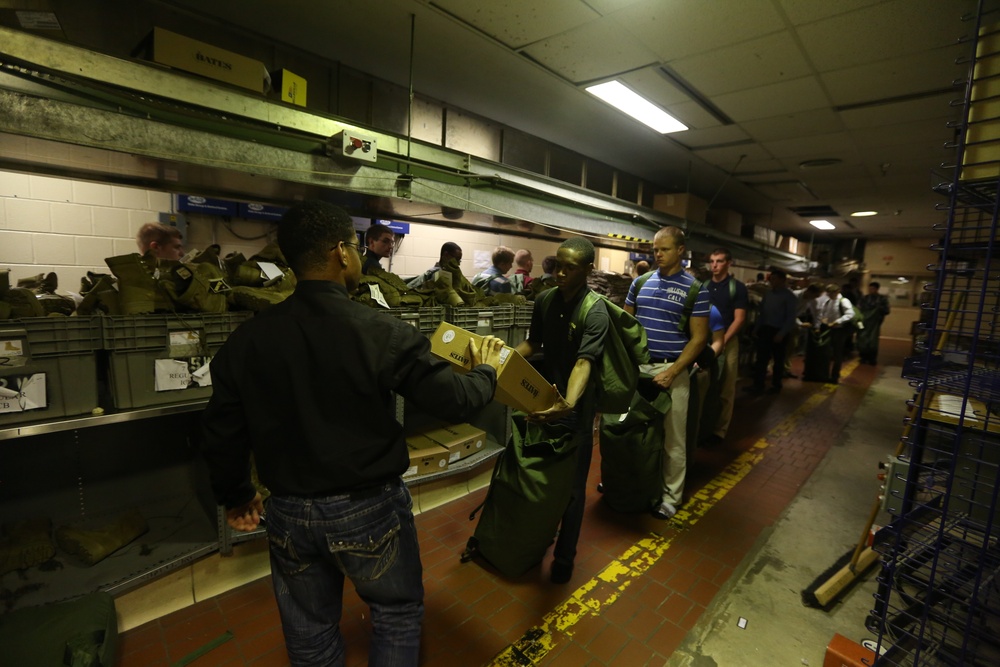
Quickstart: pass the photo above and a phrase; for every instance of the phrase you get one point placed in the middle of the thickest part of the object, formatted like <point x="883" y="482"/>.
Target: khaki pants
<point x="674" y="434"/>
<point x="729" y="363"/>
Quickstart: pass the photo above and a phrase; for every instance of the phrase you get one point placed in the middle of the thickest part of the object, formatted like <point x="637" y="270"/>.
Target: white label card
<point x="22" y="392"/>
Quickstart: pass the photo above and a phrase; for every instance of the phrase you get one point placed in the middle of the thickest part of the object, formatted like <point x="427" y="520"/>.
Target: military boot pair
<point x="17" y="302"/>
<point x="44" y="286"/>
<point x="138" y="288"/>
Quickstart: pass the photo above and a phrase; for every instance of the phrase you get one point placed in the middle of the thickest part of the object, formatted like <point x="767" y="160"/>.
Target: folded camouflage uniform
<point x="93" y="546"/>
<point x="25" y="544"/>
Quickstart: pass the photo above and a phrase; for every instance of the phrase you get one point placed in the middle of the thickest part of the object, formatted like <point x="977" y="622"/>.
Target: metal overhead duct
<point x="214" y="139"/>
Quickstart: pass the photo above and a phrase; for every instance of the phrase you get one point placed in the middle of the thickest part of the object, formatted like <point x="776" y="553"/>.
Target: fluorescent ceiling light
<point x="822" y="224"/>
<point x="863" y="214"/>
<point x="624" y="99"/>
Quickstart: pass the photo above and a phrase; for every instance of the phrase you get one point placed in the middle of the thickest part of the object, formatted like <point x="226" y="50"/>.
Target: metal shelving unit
<point x="84" y="470"/>
<point x="938" y="601"/>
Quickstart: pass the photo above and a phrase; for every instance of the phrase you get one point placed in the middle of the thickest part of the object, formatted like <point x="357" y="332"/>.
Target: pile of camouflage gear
<point x="612" y="285"/>
<point x="448" y="287"/>
<point x="140" y="284"/>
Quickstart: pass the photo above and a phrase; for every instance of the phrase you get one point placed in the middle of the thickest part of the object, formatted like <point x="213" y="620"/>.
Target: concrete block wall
<point x="69" y="227"/>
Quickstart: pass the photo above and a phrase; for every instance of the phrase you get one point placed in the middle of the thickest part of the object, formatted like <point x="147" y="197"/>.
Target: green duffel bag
<point x="528" y="494"/>
<point x="632" y="451"/>
<point x="78" y="633"/>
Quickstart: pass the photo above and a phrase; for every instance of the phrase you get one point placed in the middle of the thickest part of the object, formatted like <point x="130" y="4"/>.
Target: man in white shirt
<point x="836" y="314"/>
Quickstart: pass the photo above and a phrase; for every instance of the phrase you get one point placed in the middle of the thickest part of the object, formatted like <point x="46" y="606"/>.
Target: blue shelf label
<point x="398" y="227"/>
<point x="205" y="205"/>
<point x="261" y="212"/>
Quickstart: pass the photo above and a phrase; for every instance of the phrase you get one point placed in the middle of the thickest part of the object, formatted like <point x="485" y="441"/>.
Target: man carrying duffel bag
<point x="557" y="440"/>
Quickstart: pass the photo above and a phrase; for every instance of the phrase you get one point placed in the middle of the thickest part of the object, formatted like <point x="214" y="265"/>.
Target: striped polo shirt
<point x="659" y="306"/>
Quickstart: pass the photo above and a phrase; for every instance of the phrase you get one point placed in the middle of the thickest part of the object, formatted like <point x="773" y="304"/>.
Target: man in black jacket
<point x="307" y="387"/>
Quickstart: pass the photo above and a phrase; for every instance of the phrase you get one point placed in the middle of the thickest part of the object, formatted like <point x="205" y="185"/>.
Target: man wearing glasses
<point x="379" y="243"/>
<point x="289" y="386"/>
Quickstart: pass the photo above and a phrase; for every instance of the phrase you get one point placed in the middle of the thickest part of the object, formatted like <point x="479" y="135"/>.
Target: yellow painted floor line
<point x="603" y="590"/>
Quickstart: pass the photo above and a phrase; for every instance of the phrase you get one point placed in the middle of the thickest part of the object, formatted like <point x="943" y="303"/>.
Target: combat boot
<point x="197" y="287"/>
<point x="101" y="297"/>
<point x="23" y="303"/>
<point x="254" y="299"/>
<point x="137" y="288"/>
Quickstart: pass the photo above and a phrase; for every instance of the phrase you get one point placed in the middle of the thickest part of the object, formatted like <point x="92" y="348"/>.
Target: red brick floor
<point x="473" y="614"/>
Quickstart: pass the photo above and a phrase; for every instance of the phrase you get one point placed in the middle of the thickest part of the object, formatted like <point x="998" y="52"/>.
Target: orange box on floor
<point x="842" y="652"/>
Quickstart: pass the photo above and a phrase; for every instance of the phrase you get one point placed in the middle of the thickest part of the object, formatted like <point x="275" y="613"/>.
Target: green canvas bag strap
<point x="692" y="296"/>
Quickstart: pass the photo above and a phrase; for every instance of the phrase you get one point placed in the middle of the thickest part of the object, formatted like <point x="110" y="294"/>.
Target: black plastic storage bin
<point x="50" y="357"/>
<point x="133" y="345"/>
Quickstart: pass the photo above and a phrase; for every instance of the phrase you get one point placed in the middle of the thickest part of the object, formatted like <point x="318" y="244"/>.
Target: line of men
<point x="331" y="452"/>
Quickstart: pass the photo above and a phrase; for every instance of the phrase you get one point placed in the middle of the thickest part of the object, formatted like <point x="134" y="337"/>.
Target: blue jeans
<point x="369" y="537"/>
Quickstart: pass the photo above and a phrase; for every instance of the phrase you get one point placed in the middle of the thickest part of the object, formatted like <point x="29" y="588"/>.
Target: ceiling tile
<point x="786" y="192"/>
<point x="751" y="170"/>
<point x="676" y="28"/>
<point x="729" y="158"/>
<point x="901" y="112"/>
<point x="807" y="11"/>
<point x="833" y="145"/>
<point x="896" y="77"/>
<point x="803" y="123"/>
<point x="518" y="23"/>
<point x="596" y="50"/>
<point x="778" y="98"/>
<point x="696" y="117"/>
<point x="757" y="62"/>
<point x="655" y="87"/>
<point x="925" y="133"/>
<point x="719" y="135"/>
<point x="879" y="32"/>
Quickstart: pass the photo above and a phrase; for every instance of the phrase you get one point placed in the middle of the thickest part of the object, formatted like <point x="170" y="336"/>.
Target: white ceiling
<point x="865" y="82"/>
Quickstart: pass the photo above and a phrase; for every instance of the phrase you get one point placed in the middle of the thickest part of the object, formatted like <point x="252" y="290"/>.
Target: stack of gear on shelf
<point x="612" y="285"/>
<point x="449" y="287"/>
<point x="206" y="284"/>
<point x="140" y="284"/>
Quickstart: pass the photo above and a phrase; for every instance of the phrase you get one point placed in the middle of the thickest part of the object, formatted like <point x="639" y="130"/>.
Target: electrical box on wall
<point x="352" y="144"/>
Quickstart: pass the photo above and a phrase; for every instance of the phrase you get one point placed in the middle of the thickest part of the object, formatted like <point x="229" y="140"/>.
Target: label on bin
<point x="176" y="374"/>
<point x="22" y="392"/>
<point x="12" y="353"/>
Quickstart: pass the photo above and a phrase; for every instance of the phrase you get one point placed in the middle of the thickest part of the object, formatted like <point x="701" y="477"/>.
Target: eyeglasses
<point x="361" y="250"/>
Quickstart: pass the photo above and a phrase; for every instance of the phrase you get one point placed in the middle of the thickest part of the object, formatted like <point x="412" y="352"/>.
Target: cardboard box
<point x="725" y="220"/>
<point x="461" y="440"/>
<point x="519" y="385"/>
<point x="190" y="55"/>
<point x="426" y="456"/>
<point x="291" y="87"/>
<point x="842" y="652"/>
<point x="682" y="205"/>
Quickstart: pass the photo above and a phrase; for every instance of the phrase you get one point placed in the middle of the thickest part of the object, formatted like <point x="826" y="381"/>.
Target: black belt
<point x="668" y="360"/>
<point x="357" y="493"/>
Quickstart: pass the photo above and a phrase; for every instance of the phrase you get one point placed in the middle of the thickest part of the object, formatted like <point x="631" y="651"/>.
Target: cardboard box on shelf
<point x="291" y="88"/>
<point x="190" y="55"/>
<point x="426" y="456"/>
<point x="682" y="205"/>
<point x="519" y="385"/>
<point x="725" y="220"/>
<point x="461" y="440"/>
